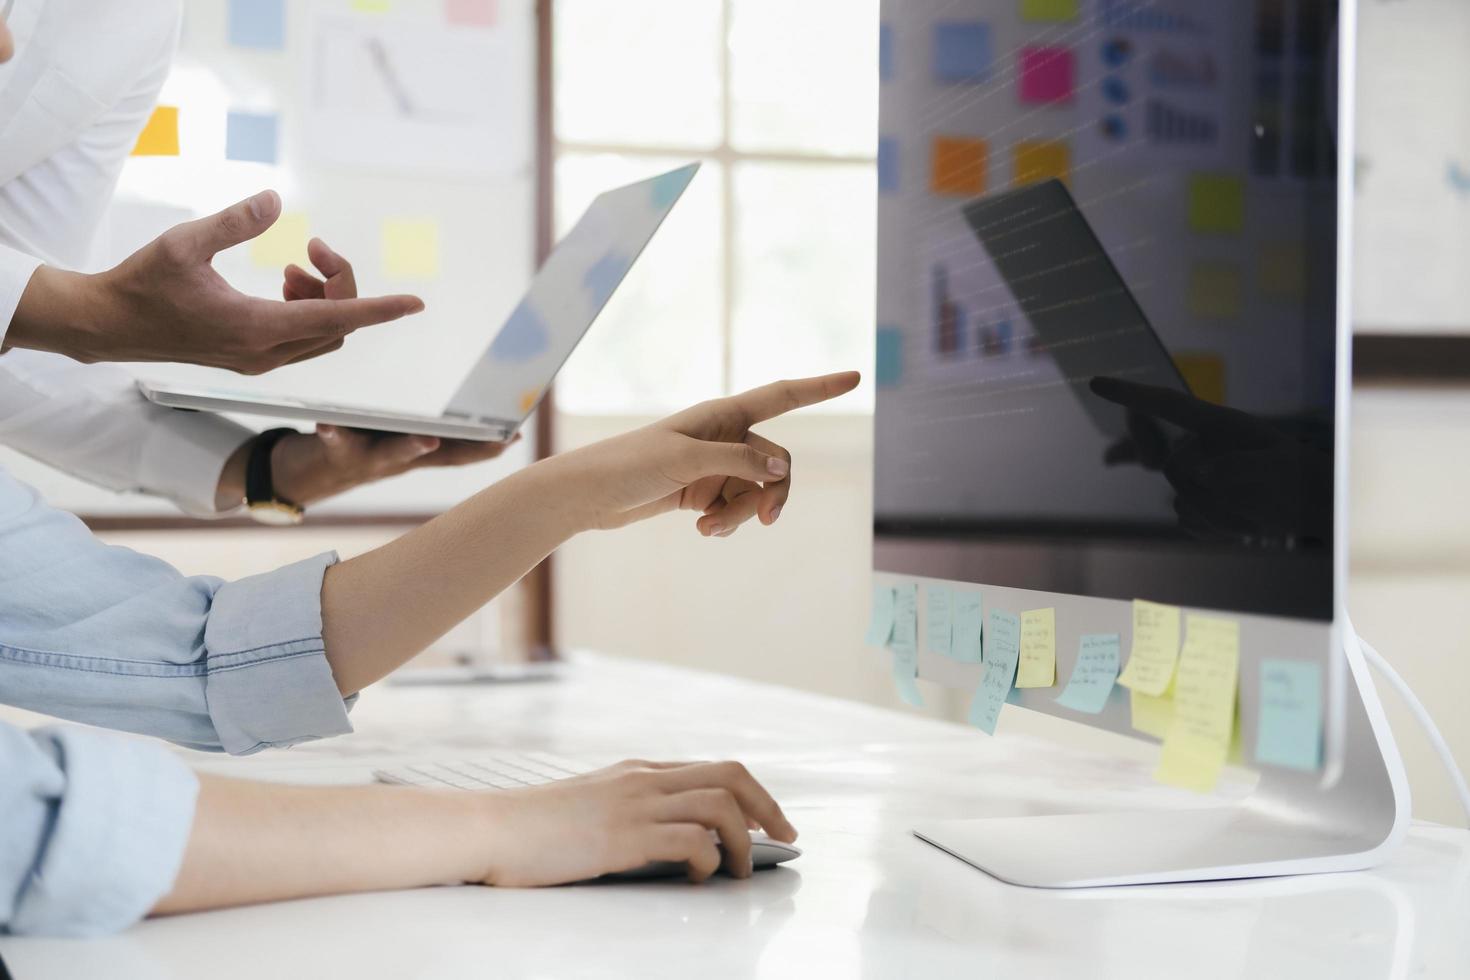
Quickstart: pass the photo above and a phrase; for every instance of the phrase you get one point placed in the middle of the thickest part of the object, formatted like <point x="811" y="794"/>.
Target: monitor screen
<point x="1108" y="279"/>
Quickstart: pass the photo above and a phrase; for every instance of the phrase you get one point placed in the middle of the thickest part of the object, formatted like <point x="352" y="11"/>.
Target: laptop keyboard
<point x="495" y="772"/>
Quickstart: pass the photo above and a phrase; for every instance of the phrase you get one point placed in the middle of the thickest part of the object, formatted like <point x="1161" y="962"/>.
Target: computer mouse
<point x="764" y="853"/>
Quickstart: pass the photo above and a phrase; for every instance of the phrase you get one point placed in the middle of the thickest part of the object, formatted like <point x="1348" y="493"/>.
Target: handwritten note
<point x="1204" y="705"/>
<point x="1095" y="673"/>
<point x="1155" y="648"/>
<point x="968" y="627"/>
<point x="1002" y="651"/>
<point x="938" y="626"/>
<point x="1153" y="715"/>
<point x="880" y="627"/>
<point x="1038" y="666"/>
<point x="1289" y="732"/>
<point x="905" y="643"/>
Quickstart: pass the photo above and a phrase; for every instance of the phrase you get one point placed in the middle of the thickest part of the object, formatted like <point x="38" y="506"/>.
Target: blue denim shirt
<point x="93" y="827"/>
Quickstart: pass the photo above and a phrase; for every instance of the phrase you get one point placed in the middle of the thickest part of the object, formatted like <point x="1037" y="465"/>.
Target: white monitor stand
<point x="1288" y="825"/>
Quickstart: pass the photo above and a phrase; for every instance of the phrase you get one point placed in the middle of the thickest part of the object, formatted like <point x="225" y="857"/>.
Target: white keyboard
<point x="493" y="772"/>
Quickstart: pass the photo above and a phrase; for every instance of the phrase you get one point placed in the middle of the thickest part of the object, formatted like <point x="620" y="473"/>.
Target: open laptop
<point x="508" y="381"/>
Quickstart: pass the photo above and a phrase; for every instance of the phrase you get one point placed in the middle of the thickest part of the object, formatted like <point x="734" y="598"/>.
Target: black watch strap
<point x="260" y="484"/>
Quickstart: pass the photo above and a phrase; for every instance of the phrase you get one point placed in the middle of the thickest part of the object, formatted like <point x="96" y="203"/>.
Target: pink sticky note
<point x="472" y="13"/>
<point x="1047" y="75"/>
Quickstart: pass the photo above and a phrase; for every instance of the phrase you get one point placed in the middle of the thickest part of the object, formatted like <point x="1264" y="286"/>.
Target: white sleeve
<point x="16" y="269"/>
<point x="92" y="422"/>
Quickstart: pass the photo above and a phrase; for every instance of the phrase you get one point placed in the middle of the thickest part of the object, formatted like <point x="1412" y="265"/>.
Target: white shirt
<point x="83" y="82"/>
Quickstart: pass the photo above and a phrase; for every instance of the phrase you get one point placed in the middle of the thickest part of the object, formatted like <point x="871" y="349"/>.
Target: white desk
<point x="867" y="899"/>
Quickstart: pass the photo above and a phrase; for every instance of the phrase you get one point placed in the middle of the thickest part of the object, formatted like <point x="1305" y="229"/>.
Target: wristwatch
<point x="266" y="506"/>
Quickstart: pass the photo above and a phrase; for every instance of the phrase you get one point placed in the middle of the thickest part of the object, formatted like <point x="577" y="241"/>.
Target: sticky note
<point x="1094" y="674"/>
<point x="252" y="136"/>
<point x="1204" y="373"/>
<point x="1282" y="271"/>
<point x="1155" y="648"/>
<point x="1002" y="651"/>
<point x="880" y="626"/>
<point x="410" y="248"/>
<point x="1216" y="204"/>
<point x="885" y="53"/>
<point x="890" y="357"/>
<point x="1153" y="715"/>
<point x="905" y="643"/>
<point x="958" y="166"/>
<point x="1199" y="737"/>
<point x="1048" y="75"/>
<point x="888" y="173"/>
<point x="372" y="6"/>
<point x="1037" y="160"/>
<point x="283" y="243"/>
<point x="1052" y="11"/>
<point x="258" y="24"/>
<point x="963" y="51"/>
<point x="968" y="627"/>
<point x="938" y="626"/>
<point x="471" y="13"/>
<point x="1215" y="290"/>
<point x="160" y="137"/>
<point x="1038" y="663"/>
<point x="1289" y="730"/>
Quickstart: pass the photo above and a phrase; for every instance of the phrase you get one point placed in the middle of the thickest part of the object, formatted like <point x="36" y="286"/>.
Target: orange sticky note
<point x="160" y="138"/>
<point x="959" y="166"/>
<point x="1038" y="160"/>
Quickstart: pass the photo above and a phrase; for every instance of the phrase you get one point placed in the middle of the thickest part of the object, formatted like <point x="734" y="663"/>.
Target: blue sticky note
<point x="1289" y="732"/>
<point x="888" y="172"/>
<point x="968" y="626"/>
<point x="890" y="357"/>
<point x="523" y="337"/>
<point x="252" y="136"/>
<point x="258" y="24"/>
<point x="963" y="51"/>
<point x="880" y="627"/>
<point x="885" y="53"/>
<point x="938" y="627"/>
<point x="905" y="679"/>
<point x="603" y="279"/>
<point x="906" y="642"/>
<point x="1095" y="673"/>
<point x="1002" y="653"/>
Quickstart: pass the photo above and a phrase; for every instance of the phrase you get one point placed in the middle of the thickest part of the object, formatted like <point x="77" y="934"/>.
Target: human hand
<point x="167" y="303"/>
<point x="706" y="459"/>
<point x="622" y="818"/>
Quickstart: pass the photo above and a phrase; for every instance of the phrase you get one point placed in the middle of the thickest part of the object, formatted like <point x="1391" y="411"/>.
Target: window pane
<point x="657" y="345"/>
<point x="645" y="72"/>
<point x="804" y="76"/>
<point x="804" y="273"/>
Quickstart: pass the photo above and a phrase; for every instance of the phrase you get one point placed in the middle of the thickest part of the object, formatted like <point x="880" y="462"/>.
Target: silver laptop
<point x="507" y="383"/>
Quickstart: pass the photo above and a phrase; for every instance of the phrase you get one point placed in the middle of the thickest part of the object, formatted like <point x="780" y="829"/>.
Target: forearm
<point x="384" y="607"/>
<point x="260" y="842"/>
<point x="59" y="313"/>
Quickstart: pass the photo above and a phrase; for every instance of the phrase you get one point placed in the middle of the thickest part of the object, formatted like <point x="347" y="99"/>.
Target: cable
<point x="1421" y="714"/>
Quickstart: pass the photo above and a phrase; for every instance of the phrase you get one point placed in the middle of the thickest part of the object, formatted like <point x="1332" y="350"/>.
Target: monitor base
<point x="1348" y="819"/>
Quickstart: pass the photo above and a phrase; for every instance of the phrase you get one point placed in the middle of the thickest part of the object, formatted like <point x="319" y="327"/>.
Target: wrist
<point x="63" y="312"/>
<point x="301" y="472"/>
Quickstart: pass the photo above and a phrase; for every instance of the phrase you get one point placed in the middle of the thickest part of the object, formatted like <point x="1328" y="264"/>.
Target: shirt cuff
<point x="117" y="838"/>
<point x="269" y="683"/>
<point x="16" y="269"/>
<point x="186" y="452"/>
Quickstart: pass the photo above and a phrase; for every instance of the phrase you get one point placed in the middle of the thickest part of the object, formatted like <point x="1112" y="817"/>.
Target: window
<point x="766" y="268"/>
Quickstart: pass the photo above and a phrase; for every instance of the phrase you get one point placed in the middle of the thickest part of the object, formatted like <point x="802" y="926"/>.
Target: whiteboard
<point x="462" y="167"/>
<point x="1413" y="167"/>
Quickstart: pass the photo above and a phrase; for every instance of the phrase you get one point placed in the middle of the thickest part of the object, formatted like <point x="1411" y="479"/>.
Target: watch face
<point x="276" y="514"/>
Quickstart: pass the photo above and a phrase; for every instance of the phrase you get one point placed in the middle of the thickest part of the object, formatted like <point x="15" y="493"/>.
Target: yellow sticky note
<point x="1215" y="290"/>
<point x="1204" y="705"/>
<point x="1155" y="648"/>
<point x="1204" y="373"/>
<point x="283" y="243"/>
<point x="411" y="248"/>
<point x="1038" y="665"/>
<point x="372" y="6"/>
<point x="1153" y="715"/>
<point x="1282" y="271"/>
<point x="1217" y="203"/>
<point x="1038" y="160"/>
<point x="1054" y="11"/>
<point x="160" y="137"/>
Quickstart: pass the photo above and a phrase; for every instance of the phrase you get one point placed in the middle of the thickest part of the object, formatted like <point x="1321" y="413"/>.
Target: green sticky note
<point x="1096" y="671"/>
<point x="1217" y="204"/>
<point x="905" y="643"/>
<point x="1289" y="732"/>
<point x="1002" y="652"/>
<point x="938" y="626"/>
<point x="968" y="626"/>
<point x="1051" y="11"/>
<point x="880" y="627"/>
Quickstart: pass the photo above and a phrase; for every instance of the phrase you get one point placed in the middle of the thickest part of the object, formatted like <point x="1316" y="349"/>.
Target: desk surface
<point x="867" y="899"/>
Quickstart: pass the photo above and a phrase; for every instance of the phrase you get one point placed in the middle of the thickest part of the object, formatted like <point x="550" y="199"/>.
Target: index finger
<point x="308" y="318"/>
<point x="1175" y="407"/>
<point x="752" y="796"/>
<point x="769" y="401"/>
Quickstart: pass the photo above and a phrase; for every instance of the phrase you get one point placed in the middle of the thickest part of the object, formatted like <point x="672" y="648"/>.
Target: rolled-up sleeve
<point x="107" y="636"/>
<point x="16" y="269"/>
<point x="92" y="829"/>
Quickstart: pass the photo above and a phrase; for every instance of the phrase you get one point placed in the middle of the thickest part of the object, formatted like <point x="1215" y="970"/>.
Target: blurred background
<point x="766" y="270"/>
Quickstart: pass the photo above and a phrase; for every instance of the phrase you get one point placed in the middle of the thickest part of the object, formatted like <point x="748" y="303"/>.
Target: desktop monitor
<point x="1113" y="329"/>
